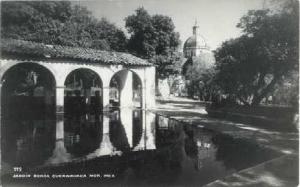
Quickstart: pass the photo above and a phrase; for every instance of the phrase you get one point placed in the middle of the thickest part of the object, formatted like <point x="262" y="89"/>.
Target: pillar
<point x="150" y="87"/>
<point x="126" y="92"/>
<point x="144" y="97"/>
<point x="105" y="98"/>
<point x="60" y="99"/>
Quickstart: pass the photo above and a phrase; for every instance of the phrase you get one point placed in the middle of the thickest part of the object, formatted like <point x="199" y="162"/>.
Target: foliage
<point x="200" y="72"/>
<point x="153" y="37"/>
<point x="25" y="78"/>
<point x="287" y="91"/>
<point x="59" y="22"/>
<point x="167" y="64"/>
<point x="251" y="66"/>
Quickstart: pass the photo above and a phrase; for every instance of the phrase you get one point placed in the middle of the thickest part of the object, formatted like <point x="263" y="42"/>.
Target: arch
<point x="84" y="69"/>
<point x="11" y="64"/>
<point x="83" y="90"/>
<point x="125" y="84"/>
<point x="29" y="85"/>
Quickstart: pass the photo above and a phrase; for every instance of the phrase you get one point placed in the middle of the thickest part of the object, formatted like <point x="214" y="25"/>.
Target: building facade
<point x="54" y="66"/>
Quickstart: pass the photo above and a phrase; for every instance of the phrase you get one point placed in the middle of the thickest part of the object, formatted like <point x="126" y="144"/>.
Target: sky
<point x="217" y="19"/>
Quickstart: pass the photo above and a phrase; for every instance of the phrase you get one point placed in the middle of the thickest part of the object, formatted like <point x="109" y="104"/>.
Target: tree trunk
<point x="264" y="92"/>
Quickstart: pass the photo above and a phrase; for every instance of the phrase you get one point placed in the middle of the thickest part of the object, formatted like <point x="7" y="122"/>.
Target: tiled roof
<point x="33" y="49"/>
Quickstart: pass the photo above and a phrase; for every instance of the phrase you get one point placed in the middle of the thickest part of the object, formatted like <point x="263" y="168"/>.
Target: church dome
<point x="195" y="41"/>
<point x="195" y="44"/>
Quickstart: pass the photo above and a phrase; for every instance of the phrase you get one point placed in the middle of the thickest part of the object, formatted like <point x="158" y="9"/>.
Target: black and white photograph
<point x="155" y="93"/>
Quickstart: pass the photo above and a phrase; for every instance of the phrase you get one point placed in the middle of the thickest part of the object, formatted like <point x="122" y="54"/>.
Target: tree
<point x="59" y="22"/>
<point x="199" y="73"/>
<point x="153" y="38"/>
<point x="251" y="66"/>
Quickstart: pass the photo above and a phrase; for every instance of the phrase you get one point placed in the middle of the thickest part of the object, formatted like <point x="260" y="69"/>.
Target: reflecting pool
<point x="128" y="147"/>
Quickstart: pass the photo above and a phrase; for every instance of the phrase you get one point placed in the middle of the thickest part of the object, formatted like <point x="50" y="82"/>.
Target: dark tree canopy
<point x="200" y="72"/>
<point x="250" y="67"/>
<point x="153" y="37"/>
<point x="59" y="22"/>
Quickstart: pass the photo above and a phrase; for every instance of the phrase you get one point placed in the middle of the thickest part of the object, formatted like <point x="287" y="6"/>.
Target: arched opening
<point x="27" y="115"/>
<point x="125" y="90"/>
<point x="28" y="90"/>
<point x="83" y="92"/>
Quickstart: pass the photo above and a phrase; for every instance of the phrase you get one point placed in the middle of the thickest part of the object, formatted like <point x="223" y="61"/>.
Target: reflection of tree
<point x="162" y="167"/>
<point x="166" y="134"/>
<point x="238" y="153"/>
<point x="26" y="142"/>
<point x="199" y="146"/>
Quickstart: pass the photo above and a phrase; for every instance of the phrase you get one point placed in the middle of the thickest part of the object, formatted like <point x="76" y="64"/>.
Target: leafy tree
<point x="199" y="73"/>
<point x="251" y="66"/>
<point x="153" y="37"/>
<point x="59" y="22"/>
<point x="168" y="64"/>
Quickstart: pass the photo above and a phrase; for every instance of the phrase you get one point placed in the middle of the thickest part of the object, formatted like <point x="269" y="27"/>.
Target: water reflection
<point x="141" y="148"/>
<point x="106" y="147"/>
<point x="20" y="138"/>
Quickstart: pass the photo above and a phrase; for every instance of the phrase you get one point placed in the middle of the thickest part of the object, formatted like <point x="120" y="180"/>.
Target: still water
<point x="127" y="147"/>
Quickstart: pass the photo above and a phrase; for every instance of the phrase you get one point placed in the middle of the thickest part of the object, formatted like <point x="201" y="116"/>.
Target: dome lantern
<point x="195" y="44"/>
<point x="196" y="28"/>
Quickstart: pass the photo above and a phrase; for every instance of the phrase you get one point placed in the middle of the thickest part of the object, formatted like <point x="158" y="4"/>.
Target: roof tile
<point x="21" y="47"/>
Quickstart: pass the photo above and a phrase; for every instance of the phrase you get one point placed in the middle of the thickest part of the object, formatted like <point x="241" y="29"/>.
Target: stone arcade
<point x="61" y="61"/>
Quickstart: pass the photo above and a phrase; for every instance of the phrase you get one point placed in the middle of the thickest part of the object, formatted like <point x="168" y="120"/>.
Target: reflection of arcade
<point x="83" y="135"/>
<point x="122" y="131"/>
<point x="75" y="138"/>
<point x="130" y="131"/>
<point x="166" y="163"/>
<point x="106" y="147"/>
<point x="26" y="142"/>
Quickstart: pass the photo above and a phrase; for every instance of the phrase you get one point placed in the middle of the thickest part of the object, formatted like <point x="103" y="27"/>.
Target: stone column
<point x="105" y="98"/>
<point x="60" y="99"/>
<point x="126" y="92"/>
<point x="144" y="97"/>
<point x="150" y="87"/>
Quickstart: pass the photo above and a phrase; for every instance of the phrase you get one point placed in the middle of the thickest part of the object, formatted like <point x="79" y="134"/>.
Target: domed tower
<point x="195" y="44"/>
